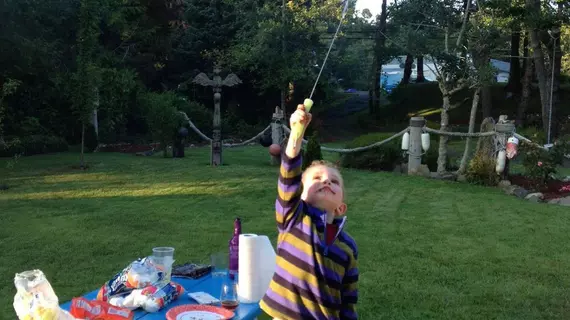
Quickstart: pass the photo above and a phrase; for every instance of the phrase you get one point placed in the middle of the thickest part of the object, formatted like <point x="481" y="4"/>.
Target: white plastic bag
<point x="35" y="298"/>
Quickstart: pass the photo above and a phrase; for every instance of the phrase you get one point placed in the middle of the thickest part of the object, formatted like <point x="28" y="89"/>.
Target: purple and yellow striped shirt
<point x="312" y="280"/>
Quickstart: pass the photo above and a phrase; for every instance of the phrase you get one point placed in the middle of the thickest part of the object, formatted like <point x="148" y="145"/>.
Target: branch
<point x="461" y="84"/>
<point x="464" y="24"/>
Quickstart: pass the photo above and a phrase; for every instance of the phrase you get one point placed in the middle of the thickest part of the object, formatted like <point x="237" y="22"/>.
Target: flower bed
<point x="127" y="147"/>
<point x="551" y="189"/>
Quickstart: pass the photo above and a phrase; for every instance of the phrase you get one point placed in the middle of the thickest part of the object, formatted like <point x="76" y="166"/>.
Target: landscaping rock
<point x="565" y="201"/>
<point x="423" y="171"/>
<point x="554" y="201"/>
<point x="398" y="169"/>
<point x="462" y="178"/>
<point x="504" y="183"/>
<point x="520" y="192"/>
<point x="534" y="197"/>
<point x="445" y="176"/>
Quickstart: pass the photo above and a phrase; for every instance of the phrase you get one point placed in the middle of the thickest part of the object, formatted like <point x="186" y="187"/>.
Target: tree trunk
<point x="551" y="120"/>
<point x="538" y="57"/>
<point x="526" y="90"/>
<point x="514" y="84"/>
<point x="408" y="69"/>
<point x="380" y="43"/>
<point x="374" y="79"/>
<point x="82" y="155"/>
<point x="420" y="70"/>
<point x="442" y="158"/>
<point x="487" y="101"/>
<point x="472" y="118"/>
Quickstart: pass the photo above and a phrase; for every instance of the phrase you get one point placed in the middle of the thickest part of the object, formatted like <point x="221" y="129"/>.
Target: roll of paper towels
<point x="256" y="267"/>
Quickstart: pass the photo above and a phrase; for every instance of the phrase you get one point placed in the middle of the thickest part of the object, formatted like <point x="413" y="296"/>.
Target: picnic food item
<point x="198" y="312"/>
<point x="138" y="274"/>
<point x="191" y="270"/>
<point x="82" y="308"/>
<point x="234" y="249"/>
<point x="256" y="267"/>
<point x="152" y="298"/>
<point x="35" y="298"/>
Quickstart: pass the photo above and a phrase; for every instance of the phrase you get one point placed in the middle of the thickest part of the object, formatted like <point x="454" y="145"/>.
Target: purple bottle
<point x="234" y="249"/>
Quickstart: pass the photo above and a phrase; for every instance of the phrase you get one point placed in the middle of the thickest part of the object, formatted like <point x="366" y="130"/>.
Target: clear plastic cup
<point x="219" y="262"/>
<point x="163" y="258"/>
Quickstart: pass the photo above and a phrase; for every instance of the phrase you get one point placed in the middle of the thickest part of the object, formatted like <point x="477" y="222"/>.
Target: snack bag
<point x="98" y="310"/>
<point x="152" y="298"/>
<point x="35" y="298"/>
<point x="139" y="274"/>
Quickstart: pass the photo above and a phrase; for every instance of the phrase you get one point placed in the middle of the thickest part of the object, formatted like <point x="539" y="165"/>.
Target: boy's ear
<point x="340" y="210"/>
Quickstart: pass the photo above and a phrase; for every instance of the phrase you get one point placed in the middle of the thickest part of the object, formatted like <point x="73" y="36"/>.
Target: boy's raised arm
<point x="289" y="186"/>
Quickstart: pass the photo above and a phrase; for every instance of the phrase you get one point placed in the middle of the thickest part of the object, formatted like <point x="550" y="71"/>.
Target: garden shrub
<point x="541" y="165"/>
<point x="481" y="170"/>
<point x="312" y="151"/>
<point x="34" y="144"/>
<point x="384" y="157"/>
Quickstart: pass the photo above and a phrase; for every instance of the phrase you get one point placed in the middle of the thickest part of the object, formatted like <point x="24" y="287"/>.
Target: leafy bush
<point x="481" y="171"/>
<point x="312" y="151"/>
<point x="34" y="144"/>
<point x="162" y="115"/>
<point x="541" y="164"/>
<point x="384" y="157"/>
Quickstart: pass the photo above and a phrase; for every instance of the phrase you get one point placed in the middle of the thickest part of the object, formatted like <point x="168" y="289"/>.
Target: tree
<point x="87" y="76"/>
<point x="8" y="87"/>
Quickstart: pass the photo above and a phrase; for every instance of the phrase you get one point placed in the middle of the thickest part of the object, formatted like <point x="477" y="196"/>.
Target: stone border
<point x="536" y="197"/>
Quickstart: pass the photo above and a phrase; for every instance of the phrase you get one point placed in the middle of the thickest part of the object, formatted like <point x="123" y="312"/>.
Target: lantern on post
<point x="425" y="141"/>
<point x="406" y="141"/>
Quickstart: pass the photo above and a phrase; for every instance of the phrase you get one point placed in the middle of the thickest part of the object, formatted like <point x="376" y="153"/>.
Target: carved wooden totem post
<point x="216" y="83"/>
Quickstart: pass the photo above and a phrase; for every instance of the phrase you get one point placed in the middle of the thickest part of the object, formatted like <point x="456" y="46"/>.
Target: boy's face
<point x="324" y="189"/>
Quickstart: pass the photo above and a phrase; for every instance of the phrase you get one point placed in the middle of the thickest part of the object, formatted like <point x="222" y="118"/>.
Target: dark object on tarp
<point x="191" y="270"/>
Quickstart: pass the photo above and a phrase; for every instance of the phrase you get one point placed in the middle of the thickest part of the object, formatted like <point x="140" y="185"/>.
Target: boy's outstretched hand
<point x="301" y="117"/>
<point x="299" y="122"/>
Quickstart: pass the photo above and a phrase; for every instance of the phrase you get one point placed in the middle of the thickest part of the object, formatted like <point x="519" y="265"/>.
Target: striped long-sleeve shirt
<point x="312" y="280"/>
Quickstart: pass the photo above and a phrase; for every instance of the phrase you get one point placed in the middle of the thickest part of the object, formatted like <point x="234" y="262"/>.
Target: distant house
<point x="393" y="71"/>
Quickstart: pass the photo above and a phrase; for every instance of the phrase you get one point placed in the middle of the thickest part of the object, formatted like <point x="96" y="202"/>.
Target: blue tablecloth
<point x="209" y="284"/>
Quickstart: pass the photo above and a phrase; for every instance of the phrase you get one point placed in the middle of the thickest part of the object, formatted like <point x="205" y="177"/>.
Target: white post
<point x="415" y="149"/>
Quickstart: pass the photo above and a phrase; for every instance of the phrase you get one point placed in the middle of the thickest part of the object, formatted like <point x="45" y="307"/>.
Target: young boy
<point x="317" y="274"/>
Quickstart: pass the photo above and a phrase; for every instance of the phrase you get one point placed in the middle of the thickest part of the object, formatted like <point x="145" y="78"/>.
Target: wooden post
<point x="505" y="128"/>
<point x="277" y="132"/>
<point x="415" y="149"/>
<point x="217" y="83"/>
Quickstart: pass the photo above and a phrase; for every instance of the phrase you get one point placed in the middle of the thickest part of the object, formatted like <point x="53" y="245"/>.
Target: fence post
<point x="276" y="132"/>
<point x="505" y="128"/>
<point x="415" y="149"/>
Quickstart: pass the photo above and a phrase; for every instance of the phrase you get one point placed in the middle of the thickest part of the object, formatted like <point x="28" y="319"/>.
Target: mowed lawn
<point x="428" y="249"/>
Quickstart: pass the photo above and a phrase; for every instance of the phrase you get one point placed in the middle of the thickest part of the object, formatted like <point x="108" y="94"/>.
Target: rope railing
<point x="227" y="145"/>
<point x="460" y="134"/>
<point x="364" y="148"/>
<point x="368" y="147"/>
<point x="241" y="144"/>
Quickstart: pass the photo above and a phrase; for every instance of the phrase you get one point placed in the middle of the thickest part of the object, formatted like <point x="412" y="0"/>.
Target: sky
<point x="372" y="5"/>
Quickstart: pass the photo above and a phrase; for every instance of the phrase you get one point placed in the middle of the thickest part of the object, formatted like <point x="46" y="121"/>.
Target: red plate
<point x="198" y="312"/>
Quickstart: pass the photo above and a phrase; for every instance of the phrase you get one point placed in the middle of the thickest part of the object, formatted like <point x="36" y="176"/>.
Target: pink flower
<point x="540" y="163"/>
<point x="565" y="188"/>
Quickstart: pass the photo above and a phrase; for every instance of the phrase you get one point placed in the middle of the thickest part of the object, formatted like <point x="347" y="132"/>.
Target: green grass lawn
<point x="428" y="249"/>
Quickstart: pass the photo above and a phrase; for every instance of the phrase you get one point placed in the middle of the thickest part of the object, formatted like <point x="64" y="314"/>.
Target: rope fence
<point x="287" y="131"/>
<point x="368" y="147"/>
